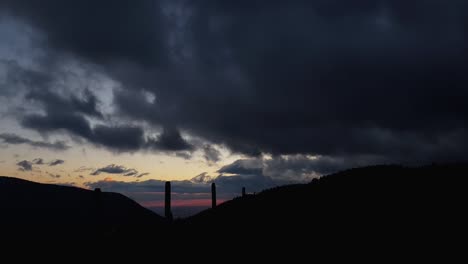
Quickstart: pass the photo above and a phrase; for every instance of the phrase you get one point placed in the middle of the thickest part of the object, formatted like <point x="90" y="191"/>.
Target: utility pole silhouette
<point x="167" y="204"/>
<point x="213" y="195"/>
<point x="243" y="191"/>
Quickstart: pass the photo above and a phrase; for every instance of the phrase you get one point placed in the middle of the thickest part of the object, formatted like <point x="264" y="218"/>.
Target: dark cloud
<point x="14" y="139"/>
<point x="117" y="169"/>
<point x="17" y="78"/>
<point x="295" y="168"/>
<point x="73" y="123"/>
<point x="56" y="162"/>
<point x="321" y="77"/>
<point x="24" y="165"/>
<point x="142" y="174"/>
<point x="211" y="154"/>
<point x="380" y="79"/>
<point x="55" y="176"/>
<point x="170" y="140"/>
<point x="38" y="161"/>
<point x="252" y="183"/>
<point x="202" y="178"/>
<point x="112" y="169"/>
<point x="122" y="138"/>
<point x="112" y="30"/>
<point x="74" y="112"/>
<point x="303" y="168"/>
<point x="184" y="154"/>
<point x="53" y="103"/>
<point x="243" y="167"/>
<point x="131" y="172"/>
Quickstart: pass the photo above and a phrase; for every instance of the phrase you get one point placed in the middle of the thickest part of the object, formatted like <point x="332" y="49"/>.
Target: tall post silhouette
<point x="213" y="195"/>
<point x="243" y="191"/>
<point x="167" y="204"/>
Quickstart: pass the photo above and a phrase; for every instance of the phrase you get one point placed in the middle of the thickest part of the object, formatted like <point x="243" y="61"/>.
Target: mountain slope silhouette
<point x="34" y="210"/>
<point x="378" y="202"/>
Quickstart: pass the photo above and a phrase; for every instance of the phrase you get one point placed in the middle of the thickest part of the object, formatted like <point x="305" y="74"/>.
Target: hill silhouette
<point x="374" y="203"/>
<point x="377" y="202"/>
<point x="32" y="210"/>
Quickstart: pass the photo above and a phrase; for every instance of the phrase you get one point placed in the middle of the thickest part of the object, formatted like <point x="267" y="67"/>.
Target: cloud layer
<point x="118" y="169"/>
<point x="350" y="83"/>
<point x="12" y="139"/>
<point x="26" y="165"/>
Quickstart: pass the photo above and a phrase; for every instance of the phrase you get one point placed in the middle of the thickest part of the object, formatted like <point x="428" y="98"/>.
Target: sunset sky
<point x="125" y="95"/>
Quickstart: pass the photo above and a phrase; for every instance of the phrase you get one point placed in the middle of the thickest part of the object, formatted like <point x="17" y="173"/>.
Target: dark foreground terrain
<point x="32" y="210"/>
<point x="367" y="203"/>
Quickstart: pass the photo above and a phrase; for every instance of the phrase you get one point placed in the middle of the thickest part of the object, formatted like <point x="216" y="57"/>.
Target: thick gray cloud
<point x="112" y="169"/>
<point x="54" y="103"/>
<point x="118" y="169"/>
<point x="74" y="119"/>
<point x="202" y="178"/>
<point x="295" y="168"/>
<point x="74" y="112"/>
<point x="356" y="82"/>
<point x="112" y="30"/>
<point x="243" y="166"/>
<point x="211" y="154"/>
<point x="169" y="140"/>
<point x="14" y="139"/>
<point x="24" y="165"/>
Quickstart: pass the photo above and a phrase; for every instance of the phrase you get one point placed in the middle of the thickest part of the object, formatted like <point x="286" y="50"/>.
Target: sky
<point x="126" y="95"/>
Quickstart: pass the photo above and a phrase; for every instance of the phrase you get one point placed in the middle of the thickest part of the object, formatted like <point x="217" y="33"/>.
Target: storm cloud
<point x="349" y="82"/>
<point x="73" y="115"/>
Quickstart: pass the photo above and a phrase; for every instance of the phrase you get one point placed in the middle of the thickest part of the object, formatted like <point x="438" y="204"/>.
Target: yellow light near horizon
<point x="159" y="166"/>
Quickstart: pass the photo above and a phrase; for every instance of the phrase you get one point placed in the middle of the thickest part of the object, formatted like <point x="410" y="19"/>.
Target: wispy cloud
<point x="55" y="176"/>
<point x="13" y="139"/>
<point x="56" y="162"/>
<point x="27" y="165"/>
<point x="38" y="161"/>
<point x="84" y="169"/>
<point x="119" y="169"/>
